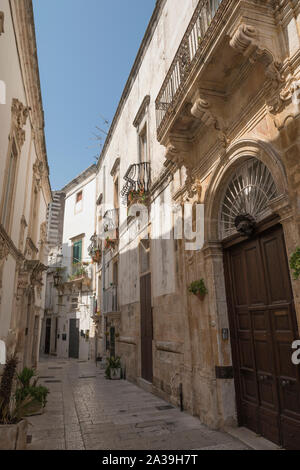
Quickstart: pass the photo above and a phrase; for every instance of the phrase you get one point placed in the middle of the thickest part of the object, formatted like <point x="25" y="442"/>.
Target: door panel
<point x="74" y="339"/>
<point x="263" y="318"/>
<point x="146" y="328"/>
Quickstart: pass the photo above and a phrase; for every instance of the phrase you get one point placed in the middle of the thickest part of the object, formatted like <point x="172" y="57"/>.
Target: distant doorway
<point x="48" y="336"/>
<point x="74" y="339"/>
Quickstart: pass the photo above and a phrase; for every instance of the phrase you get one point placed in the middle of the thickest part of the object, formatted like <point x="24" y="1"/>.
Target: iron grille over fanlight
<point x="247" y="196"/>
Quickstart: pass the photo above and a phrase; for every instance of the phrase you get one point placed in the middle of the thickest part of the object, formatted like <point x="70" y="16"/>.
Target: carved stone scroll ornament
<point x="20" y="114"/>
<point x="193" y="186"/>
<point x="246" y="41"/>
<point x="203" y="111"/>
<point x="4" y="250"/>
<point x="174" y="155"/>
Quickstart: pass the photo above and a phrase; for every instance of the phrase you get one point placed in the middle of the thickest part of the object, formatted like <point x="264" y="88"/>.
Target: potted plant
<point x="198" y="288"/>
<point x="37" y="393"/>
<point x="138" y="196"/>
<point x="295" y="263"/>
<point x="109" y="243"/>
<point x="13" y="428"/>
<point x="113" y="368"/>
<point x="96" y="256"/>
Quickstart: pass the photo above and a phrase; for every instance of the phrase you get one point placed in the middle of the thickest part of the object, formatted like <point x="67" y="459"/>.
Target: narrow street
<point x="86" y="411"/>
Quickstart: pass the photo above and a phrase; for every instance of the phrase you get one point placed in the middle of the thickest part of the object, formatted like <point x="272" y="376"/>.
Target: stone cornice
<point x="23" y="19"/>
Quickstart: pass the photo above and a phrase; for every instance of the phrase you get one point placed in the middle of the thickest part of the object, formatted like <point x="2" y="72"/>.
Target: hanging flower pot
<point x="199" y="289"/>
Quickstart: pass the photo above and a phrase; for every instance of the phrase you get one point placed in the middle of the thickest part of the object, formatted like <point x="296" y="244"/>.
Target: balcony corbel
<point x="246" y="39"/>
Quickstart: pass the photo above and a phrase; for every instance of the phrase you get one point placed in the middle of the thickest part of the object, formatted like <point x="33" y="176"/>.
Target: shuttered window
<point x="77" y="252"/>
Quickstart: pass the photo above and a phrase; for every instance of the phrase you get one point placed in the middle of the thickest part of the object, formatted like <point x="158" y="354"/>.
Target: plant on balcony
<point x="80" y="272"/>
<point x="138" y="197"/>
<point x="295" y="264"/>
<point x="113" y="368"/>
<point x="109" y="244"/>
<point x="13" y="427"/>
<point x="198" y="288"/>
<point x="29" y="388"/>
<point x="96" y="257"/>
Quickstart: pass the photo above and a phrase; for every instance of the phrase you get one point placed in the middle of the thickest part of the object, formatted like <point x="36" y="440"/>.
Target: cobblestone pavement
<point x="86" y="411"/>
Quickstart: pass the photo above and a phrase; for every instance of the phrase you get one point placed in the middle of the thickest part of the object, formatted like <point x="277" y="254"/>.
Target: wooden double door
<point x="146" y="328"/>
<point x="263" y="328"/>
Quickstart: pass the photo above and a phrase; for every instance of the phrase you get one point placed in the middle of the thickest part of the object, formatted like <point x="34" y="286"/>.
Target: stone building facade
<point x="209" y="117"/>
<point x="69" y="329"/>
<point x="24" y="185"/>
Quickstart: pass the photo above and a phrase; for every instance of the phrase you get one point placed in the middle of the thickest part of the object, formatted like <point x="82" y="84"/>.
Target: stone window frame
<point x="142" y="125"/>
<point x="9" y="186"/>
<point x="19" y="115"/>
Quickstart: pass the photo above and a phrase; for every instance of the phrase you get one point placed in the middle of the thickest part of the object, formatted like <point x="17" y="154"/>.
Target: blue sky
<point x="86" y="49"/>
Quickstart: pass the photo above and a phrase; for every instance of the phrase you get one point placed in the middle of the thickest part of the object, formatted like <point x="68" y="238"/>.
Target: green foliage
<point x="15" y="411"/>
<point x="7" y="383"/>
<point x="80" y="272"/>
<point x="198" y="287"/>
<point x="11" y="411"/>
<point x="38" y="394"/>
<point x="295" y="263"/>
<point x="28" y="389"/>
<point x="25" y="377"/>
<point x="112" y="363"/>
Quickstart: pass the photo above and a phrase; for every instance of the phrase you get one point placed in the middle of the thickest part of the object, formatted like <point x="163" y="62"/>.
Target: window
<point x="9" y="188"/>
<point x="143" y="145"/>
<point x="116" y="194"/>
<point x="78" y="197"/>
<point x="78" y="202"/>
<point x="77" y="252"/>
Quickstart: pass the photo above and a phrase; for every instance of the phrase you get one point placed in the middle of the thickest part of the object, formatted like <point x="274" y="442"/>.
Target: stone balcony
<point x="226" y="42"/>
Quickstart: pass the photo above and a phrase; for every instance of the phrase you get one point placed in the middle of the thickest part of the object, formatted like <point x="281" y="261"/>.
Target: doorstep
<point x="251" y="439"/>
<point x="147" y="386"/>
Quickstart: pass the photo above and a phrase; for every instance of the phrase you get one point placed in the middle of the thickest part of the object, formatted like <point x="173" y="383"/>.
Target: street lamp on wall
<point x="56" y="278"/>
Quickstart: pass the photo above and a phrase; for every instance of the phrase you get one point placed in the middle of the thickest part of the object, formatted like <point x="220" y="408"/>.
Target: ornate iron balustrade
<point x="137" y="177"/>
<point x="189" y="51"/>
<point x="110" y="300"/>
<point x="111" y="220"/>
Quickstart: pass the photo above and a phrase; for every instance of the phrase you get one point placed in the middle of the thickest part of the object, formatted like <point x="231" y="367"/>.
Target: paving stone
<point x="93" y="413"/>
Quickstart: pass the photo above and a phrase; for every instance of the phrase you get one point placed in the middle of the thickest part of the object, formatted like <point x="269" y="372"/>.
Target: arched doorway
<point x="261" y="311"/>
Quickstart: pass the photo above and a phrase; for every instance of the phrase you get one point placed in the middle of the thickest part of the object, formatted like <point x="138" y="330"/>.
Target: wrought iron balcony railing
<point x="137" y="177"/>
<point x="187" y="55"/>
<point x="110" y="300"/>
<point x="111" y="220"/>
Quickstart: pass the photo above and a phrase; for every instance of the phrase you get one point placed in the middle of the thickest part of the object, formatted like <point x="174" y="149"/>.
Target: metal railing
<point x="185" y="57"/>
<point x="137" y="177"/>
<point x="110" y="300"/>
<point x="111" y="220"/>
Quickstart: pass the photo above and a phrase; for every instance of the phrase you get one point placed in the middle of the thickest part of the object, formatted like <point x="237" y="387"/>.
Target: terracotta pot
<point x="201" y="296"/>
<point x="13" y="436"/>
